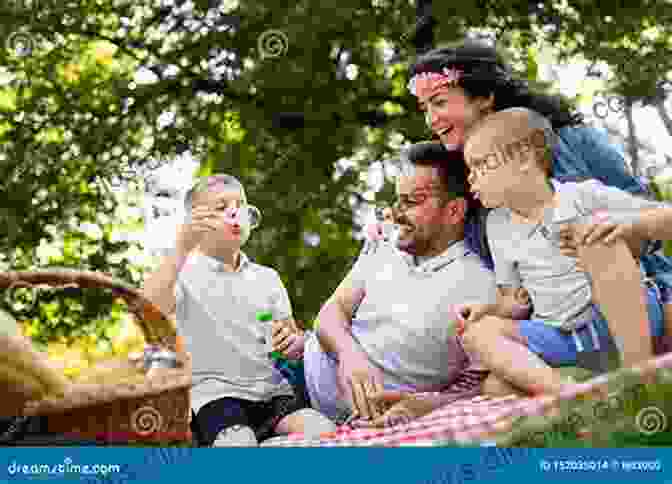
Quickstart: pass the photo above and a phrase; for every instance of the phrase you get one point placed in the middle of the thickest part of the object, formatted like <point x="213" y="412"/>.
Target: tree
<point x="275" y="93"/>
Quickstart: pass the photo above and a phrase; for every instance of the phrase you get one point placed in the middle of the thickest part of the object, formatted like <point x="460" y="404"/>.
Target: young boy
<point x="239" y="396"/>
<point x="509" y="158"/>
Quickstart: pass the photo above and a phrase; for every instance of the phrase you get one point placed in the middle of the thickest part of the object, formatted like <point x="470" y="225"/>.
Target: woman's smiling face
<point x="449" y="113"/>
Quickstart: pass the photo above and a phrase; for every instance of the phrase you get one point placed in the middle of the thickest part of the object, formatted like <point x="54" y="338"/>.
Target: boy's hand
<point x="295" y="350"/>
<point x="204" y="220"/>
<point x="285" y="334"/>
<point x="468" y="314"/>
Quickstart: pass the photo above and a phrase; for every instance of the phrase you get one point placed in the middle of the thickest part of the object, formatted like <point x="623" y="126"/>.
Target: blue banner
<point x="437" y="465"/>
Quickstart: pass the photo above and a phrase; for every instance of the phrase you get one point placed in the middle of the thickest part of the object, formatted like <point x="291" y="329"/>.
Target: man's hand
<point x="405" y="408"/>
<point x="358" y="381"/>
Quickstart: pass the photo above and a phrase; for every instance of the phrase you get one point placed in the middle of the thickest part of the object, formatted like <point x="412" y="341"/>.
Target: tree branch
<point x="664" y="116"/>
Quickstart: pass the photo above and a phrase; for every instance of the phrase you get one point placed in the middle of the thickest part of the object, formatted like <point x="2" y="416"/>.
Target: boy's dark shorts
<point x="262" y="417"/>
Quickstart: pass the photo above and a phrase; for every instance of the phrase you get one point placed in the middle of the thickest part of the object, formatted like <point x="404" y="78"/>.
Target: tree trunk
<point x="424" y="33"/>
<point x="632" y="139"/>
<point x="667" y="121"/>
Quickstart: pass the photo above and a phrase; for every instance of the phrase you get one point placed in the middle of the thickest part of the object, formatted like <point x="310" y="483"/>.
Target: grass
<point x="633" y="415"/>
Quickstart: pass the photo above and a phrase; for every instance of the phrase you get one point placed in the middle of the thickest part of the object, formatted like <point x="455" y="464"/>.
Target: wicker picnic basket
<point x="153" y="406"/>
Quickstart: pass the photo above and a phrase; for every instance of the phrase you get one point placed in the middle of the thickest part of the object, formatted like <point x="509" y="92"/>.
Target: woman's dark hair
<point x="486" y="72"/>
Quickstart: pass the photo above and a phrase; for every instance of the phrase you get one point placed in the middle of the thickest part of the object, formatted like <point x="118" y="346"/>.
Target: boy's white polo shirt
<point x="528" y="254"/>
<point x="216" y="314"/>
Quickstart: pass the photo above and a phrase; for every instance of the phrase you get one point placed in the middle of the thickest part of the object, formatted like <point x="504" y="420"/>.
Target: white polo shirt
<point x="216" y="314"/>
<point x="405" y="323"/>
<point x="528" y="254"/>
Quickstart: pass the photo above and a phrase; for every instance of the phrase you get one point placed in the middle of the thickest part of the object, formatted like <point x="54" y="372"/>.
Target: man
<point x="239" y="396"/>
<point x="390" y="324"/>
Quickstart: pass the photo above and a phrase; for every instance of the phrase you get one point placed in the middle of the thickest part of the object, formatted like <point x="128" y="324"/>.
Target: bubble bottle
<point x="266" y="318"/>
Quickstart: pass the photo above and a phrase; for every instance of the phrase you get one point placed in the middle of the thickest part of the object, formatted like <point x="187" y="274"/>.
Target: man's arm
<point x="357" y="377"/>
<point x="335" y="317"/>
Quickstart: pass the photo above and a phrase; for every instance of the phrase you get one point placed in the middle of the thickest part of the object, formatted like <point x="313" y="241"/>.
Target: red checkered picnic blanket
<point x="470" y="421"/>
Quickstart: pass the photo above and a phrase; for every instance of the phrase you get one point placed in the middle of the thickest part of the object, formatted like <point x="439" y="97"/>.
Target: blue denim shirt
<point x="584" y="152"/>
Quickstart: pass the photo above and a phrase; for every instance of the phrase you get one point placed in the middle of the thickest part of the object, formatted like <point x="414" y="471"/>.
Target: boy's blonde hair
<point x="213" y="181"/>
<point x="526" y="127"/>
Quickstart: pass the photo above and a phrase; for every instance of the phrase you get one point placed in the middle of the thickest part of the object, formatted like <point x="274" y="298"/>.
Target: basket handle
<point x="156" y="327"/>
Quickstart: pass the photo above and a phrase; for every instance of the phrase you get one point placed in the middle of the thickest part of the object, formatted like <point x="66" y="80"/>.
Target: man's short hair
<point x="204" y="184"/>
<point x="450" y="165"/>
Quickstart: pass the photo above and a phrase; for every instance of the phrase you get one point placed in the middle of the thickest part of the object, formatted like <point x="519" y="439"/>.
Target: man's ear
<point x="462" y="206"/>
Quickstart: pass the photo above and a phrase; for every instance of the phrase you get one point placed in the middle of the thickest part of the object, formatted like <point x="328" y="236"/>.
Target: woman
<point x="458" y="86"/>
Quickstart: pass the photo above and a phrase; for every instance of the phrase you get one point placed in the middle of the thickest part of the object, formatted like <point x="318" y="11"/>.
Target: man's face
<point x="419" y="211"/>
<point x="219" y="201"/>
